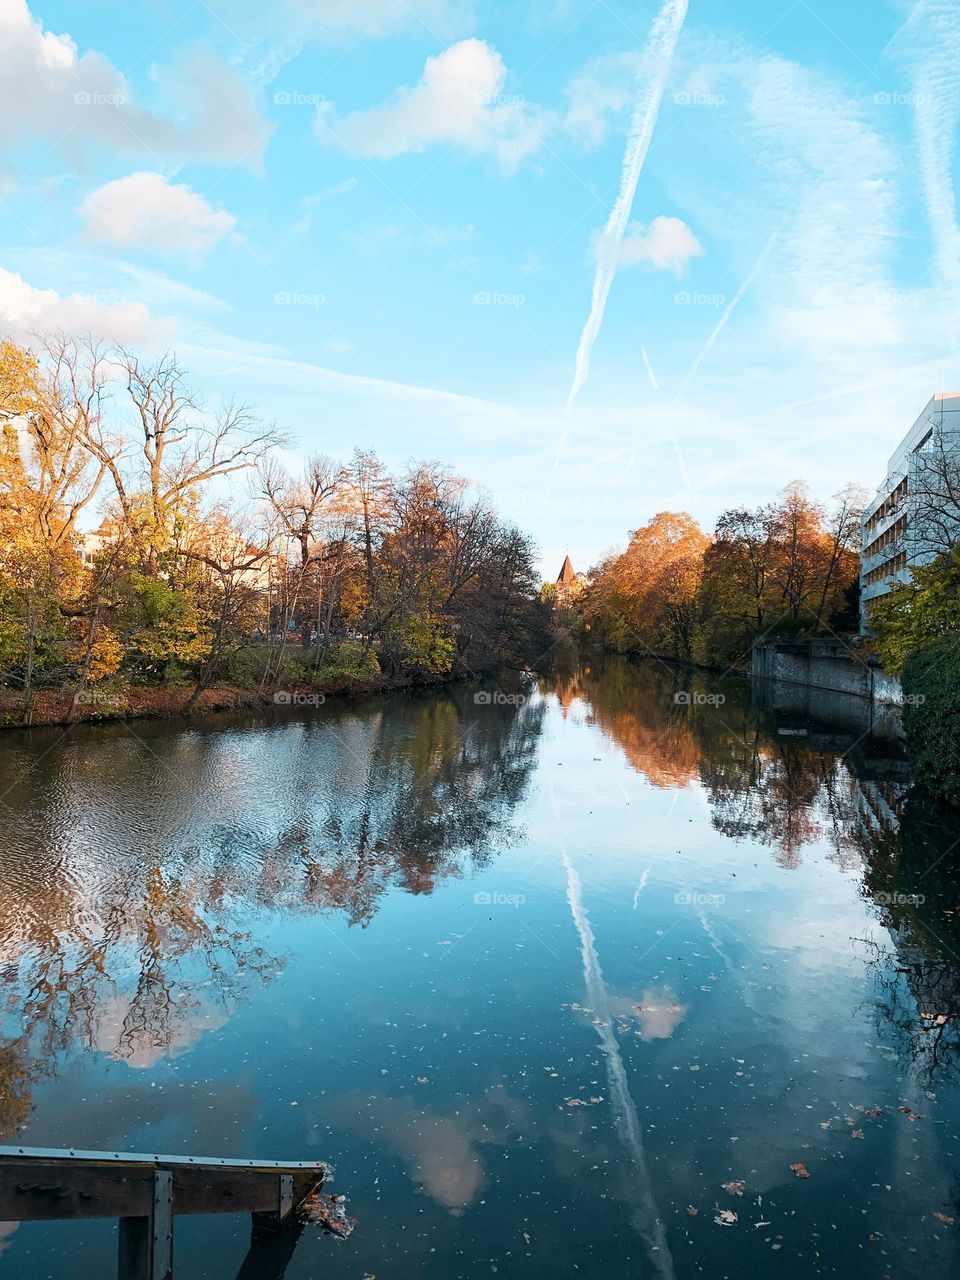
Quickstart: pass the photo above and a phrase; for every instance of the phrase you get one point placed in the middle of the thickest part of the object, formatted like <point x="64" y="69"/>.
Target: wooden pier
<point x="147" y="1192"/>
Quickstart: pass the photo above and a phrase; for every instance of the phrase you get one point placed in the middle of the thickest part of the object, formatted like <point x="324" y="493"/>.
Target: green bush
<point x="345" y="664"/>
<point x="931" y="716"/>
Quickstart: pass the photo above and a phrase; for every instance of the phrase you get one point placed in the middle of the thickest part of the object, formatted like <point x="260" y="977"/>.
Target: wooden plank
<point x="45" y="1193"/>
<point x="133" y="1256"/>
<point x="48" y="1155"/>
<point x="34" y="1190"/>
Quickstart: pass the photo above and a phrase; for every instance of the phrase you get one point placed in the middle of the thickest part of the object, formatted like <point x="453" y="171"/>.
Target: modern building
<point x="902" y="527"/>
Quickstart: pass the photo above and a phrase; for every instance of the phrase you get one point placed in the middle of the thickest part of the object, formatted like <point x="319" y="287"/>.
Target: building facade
<point x="913" y="516"/>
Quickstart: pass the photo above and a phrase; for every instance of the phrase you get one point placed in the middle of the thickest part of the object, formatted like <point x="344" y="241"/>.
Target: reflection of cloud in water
<point x="440" y="1148"/>
<point x="6" y="1231"/>
<point x="138" y="1046"/>
<point x="659" y="1013"/>
<point x="646" y="1215"/>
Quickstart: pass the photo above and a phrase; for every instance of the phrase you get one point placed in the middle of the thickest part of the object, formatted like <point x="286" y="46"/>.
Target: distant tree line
<point x="786" y="568"/>
<point x="213" y="561"/>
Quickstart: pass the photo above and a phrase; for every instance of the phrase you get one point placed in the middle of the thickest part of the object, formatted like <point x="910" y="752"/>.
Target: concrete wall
<point x="825" y="664"/>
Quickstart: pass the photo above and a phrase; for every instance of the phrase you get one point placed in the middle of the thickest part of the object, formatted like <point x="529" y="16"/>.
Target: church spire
<point x="566" y="575"/>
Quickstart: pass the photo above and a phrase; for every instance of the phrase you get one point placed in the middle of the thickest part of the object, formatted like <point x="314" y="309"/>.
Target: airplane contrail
<point x="728" y="312"/>
<point x="658" y="54"/>
<point x="646" y="1215"/>
<point x="641" y="886"/>
<point x="649" y="368"/>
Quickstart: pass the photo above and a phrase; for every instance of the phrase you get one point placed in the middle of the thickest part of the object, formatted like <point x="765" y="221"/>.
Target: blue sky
<point x="384" y="224"/>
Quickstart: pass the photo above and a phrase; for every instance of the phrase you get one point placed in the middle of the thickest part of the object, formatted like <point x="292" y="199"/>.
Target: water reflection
<point x="136" y="858"/>
<point x="604" y="1054"/>
<point x="792" y="768"/>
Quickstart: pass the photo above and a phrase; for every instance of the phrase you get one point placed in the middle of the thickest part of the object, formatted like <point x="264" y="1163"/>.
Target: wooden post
<point x="275" y="1219"/>
<point x="146" y="1244"/>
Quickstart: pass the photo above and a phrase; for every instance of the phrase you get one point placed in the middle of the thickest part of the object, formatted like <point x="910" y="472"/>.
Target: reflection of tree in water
<point x="132" y="940"/>
<point x="434" y="784"/>
<point x="789" y="792"/>
<point x="761" y="787"/>
<point x="633" y="704"/>
<point x="914" y="883"/>
<point x="778" y="792"/>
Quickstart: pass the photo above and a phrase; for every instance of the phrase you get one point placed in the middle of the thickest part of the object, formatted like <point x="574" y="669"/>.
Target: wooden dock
<point x="147" y="1192"/>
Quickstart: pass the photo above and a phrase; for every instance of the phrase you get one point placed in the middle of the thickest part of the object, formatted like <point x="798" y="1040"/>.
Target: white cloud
<point x="605" y="87"/>
<point x="50" y="91"/>
<point x="146" y="211"/>
<point x="667" y="244"/>
<point x="25" y="310"/>
<point x="459" y="101"/>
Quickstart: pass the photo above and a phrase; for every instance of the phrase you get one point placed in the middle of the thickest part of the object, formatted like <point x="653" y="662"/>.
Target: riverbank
<point x="52" y="707"/>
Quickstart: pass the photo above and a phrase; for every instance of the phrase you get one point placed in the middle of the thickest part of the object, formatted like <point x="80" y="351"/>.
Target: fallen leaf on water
<point x="328" y="1212"/>
<point x="725" y="1218"/>
<point x="942" y="1217"/>
<point x="576" y="1102"/>
<point x="733" y="1188"/>
<point x="800" y="1169"/>
<point x="857" y="1133"/>
<point x="910" y="1113"/>
<point x="873" y="1112"/>
<point x="692" y="1211"/>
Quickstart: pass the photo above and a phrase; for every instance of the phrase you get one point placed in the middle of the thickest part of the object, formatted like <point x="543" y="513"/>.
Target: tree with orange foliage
<point x="645" y="598"/>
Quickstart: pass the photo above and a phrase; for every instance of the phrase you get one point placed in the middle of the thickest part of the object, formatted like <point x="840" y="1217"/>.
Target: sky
<point x="602" y="258"/>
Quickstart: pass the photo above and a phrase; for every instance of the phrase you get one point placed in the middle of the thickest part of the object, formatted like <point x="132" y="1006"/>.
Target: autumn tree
<point x="644" y="598"/>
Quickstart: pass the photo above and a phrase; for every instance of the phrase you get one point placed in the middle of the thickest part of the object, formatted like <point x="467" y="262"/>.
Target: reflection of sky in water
<point x="534" y="983"/>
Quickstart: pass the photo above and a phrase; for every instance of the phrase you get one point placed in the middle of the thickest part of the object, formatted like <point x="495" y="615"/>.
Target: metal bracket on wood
<point x="285" y="1206"/>
<point x="146" y="1244"/>
<point x="145" y="1191"/>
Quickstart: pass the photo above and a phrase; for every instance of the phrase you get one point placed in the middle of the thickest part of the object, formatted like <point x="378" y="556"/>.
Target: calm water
<point x="538" y="979"/>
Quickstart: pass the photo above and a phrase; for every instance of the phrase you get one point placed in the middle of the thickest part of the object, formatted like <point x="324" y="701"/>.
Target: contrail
<point x="728" y="312"/>
<point x="641" y="886"/>
<point x="658" y="53"/>
<point x="646" y="1215"/>
<point x="649" y="368"/>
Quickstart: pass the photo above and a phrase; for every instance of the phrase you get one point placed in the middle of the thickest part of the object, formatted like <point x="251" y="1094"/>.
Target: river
<point x="577" y="977"/>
